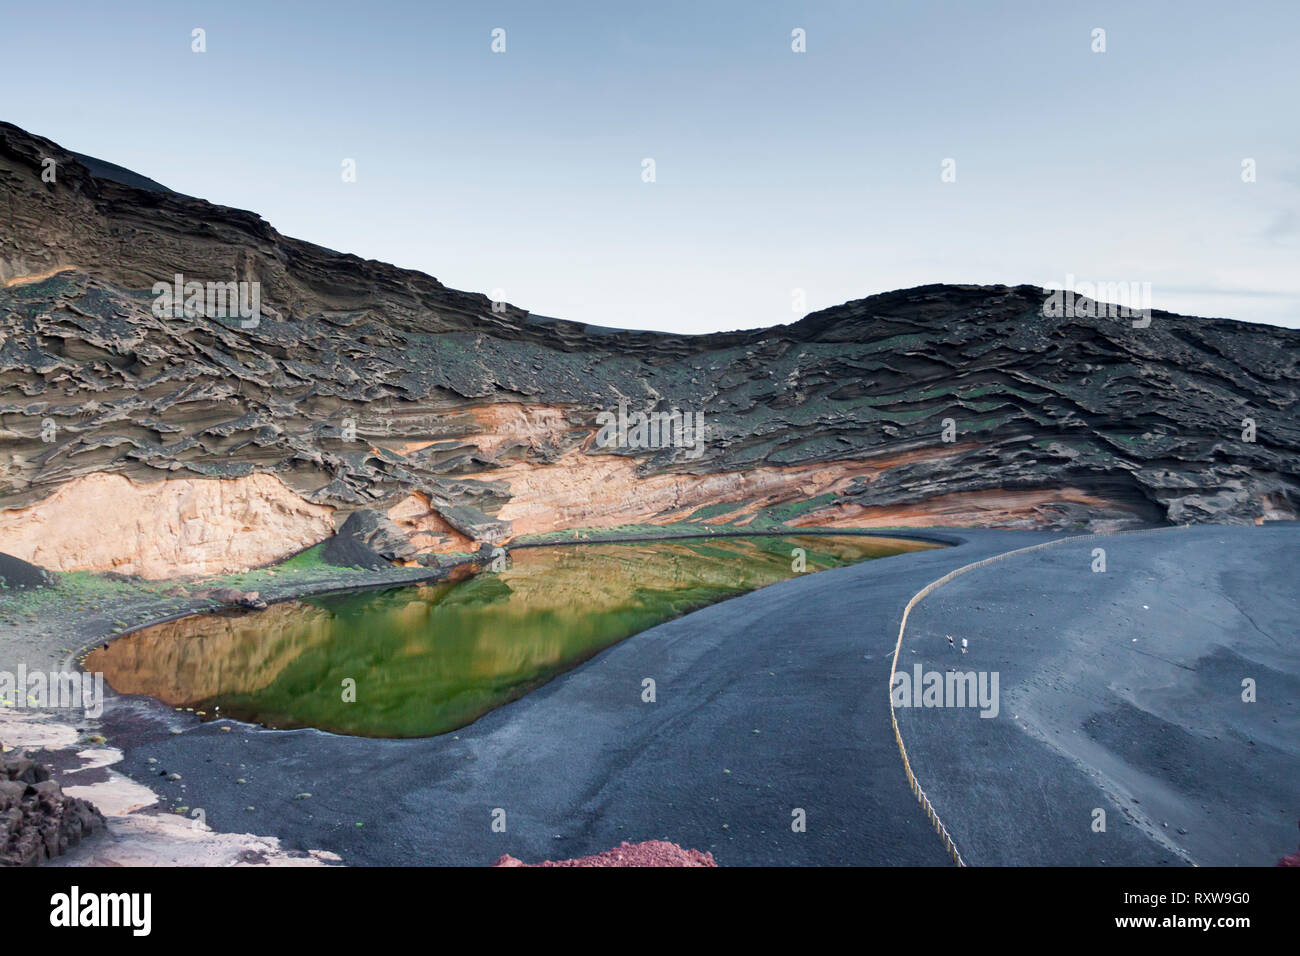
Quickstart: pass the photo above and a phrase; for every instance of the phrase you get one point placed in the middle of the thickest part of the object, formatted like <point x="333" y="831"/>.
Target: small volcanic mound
<point x="649" y="853"/>
<point x="1290" y="860"/>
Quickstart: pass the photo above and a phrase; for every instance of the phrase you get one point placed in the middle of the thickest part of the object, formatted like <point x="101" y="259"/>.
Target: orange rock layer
<point x="204" y="527"/>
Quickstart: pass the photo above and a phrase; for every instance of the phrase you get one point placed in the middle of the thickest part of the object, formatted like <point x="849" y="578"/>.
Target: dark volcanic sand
<point x="769" y="702"/>
<point x="1107" y="704"/>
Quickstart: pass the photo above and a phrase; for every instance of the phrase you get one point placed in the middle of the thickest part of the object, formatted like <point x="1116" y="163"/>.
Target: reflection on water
<point x="426" y="660"/>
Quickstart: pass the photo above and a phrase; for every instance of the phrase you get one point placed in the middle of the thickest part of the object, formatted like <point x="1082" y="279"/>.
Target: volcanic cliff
<point x="166" y="444"/>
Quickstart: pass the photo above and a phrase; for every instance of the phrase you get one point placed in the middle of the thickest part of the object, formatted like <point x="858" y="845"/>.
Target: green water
<point x="430" y="659"/>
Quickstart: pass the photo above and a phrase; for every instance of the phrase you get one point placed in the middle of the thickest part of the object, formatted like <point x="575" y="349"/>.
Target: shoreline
<point x="135" y="811"/>
<point x="144" y="727"/>
<point x="140" y="830"/>
<point x="435" y="575"/>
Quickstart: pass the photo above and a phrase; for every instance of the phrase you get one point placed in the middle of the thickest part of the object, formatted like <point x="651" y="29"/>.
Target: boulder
<point x="234" y="596"/>
<point x="37" y="820"/>
<point x="368" y="539"/>
<point x="473" y="523"/>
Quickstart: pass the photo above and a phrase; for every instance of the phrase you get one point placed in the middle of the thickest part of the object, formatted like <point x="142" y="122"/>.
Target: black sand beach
<point x="1122" y="691"/>
<point x="776" y="701"/>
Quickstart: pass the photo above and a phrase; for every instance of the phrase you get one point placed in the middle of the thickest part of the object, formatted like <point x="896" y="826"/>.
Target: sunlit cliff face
<point x="205" y="527"/>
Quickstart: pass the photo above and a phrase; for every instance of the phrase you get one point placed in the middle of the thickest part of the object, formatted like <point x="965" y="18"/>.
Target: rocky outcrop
<point x="37" y="821"/>
<point x="428" y="531"/>
<point x="166" y="528"/>
<point x="1292" y="859"/>
<point x="367" y="387"/>
<point x="369" y="539"/>
<point x="648" y="853"/>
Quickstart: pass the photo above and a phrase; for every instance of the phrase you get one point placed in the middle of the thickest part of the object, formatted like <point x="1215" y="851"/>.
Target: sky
<point x="910" y="142"/>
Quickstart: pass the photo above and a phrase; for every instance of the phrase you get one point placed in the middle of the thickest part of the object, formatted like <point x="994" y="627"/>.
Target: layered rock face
<point x="184" y="526"/>
<point x="361" y="386"/>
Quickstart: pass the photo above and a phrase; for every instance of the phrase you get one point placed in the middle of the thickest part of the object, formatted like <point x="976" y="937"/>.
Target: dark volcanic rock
<point x="363" y="384"/>
<point x="37" y="821"/>
<point x="233" y="596"/>
<point x="368" y="539"/>
<point x="16" y="573"/>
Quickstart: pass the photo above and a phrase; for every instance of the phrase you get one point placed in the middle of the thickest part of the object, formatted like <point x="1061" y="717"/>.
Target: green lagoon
<point x="425" y="660"/>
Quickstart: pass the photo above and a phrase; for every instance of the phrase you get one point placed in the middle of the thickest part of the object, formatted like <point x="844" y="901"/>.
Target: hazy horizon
<point x="785" y="182"/>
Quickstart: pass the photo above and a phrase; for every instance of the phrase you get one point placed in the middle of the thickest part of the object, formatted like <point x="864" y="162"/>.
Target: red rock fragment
<point x="649" y="853"/>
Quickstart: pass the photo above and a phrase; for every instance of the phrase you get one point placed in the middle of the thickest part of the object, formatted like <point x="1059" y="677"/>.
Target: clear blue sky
<point x="776" y="170"/>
